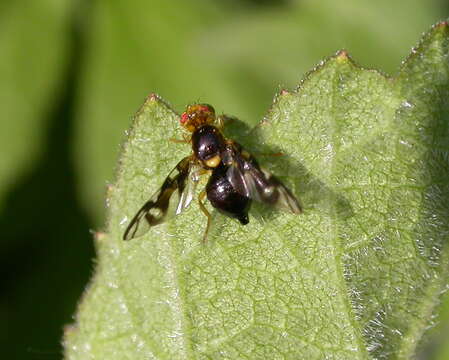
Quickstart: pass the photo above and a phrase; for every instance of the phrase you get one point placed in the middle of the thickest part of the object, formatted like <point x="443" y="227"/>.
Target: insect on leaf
<point x="357" y="276"/>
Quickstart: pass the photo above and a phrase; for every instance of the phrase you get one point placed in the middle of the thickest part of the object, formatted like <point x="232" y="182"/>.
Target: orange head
<point x="197" y="115"/>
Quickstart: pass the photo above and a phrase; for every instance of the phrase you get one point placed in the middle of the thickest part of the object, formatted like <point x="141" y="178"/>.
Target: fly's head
<point x="197" y="115"/>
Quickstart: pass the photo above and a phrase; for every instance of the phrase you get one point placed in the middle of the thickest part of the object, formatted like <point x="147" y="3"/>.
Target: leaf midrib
<point x="178" y="306"/>
<point x="335" y="238"/>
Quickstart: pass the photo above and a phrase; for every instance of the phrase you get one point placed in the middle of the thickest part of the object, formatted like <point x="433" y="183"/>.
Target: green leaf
<point x="357" y="276"/>
<point x="222" y="53"/>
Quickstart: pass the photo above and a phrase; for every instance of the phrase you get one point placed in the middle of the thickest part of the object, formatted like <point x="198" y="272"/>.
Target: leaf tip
<point x="153" y="97"/>
<point x="434" y="34"/>
<point x="440" y="27"/>
<point x="68" y="330"/>
<point x="342" y="56"/>
<point x="99" y="235"/>
<point x="280" y="94"/>
<point x="109" y="190"/>
<point x="442" y="24"/>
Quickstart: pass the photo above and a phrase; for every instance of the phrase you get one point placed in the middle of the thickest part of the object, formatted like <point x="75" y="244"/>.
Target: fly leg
<point x="184" y="140"/>
<point x="222" y="119"/>
<point x="205" y="212"/>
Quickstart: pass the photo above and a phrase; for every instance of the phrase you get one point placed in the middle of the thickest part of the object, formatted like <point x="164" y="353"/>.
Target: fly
<point x="235" y="178"/>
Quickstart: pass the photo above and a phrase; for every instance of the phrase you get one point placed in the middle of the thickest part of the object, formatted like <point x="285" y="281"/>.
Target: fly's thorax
<point x="207" y="145"/>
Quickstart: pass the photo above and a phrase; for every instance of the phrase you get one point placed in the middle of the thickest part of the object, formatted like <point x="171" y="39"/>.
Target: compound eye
<point x="184" y="118"/>
<point x="207" y="108"/>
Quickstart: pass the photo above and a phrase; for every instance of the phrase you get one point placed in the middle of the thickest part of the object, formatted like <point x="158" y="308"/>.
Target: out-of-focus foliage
<point x="34" y="40"/>
<point x="45" y="248"/>
<point x="73" y="73"/>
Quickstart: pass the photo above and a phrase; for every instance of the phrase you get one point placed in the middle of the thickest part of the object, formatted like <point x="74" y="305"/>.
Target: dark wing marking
<point x="181" y="180"/>
<point x="248" y="179"/>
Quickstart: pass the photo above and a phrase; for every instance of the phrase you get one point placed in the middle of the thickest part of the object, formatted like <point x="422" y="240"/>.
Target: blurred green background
<point x="74" y="72"/>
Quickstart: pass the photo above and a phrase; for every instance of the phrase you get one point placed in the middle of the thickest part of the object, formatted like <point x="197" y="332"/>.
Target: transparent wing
<point x="175" y="195"/>
<point x="248" y="179"/>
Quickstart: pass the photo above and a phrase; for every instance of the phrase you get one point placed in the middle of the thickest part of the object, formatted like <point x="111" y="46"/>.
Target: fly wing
<point x="187" y="194"/>
<point x="175" y="195"/>
<point x="248" y="179"/>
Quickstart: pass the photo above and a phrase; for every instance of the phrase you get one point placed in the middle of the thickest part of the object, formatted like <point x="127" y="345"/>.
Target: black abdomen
<point x="224" y="198"/>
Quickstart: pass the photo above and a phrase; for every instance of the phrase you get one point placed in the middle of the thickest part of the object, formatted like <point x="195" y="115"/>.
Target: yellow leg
<point x="203" y="172"/>
<point x="185" y="140"/>
<point x="205" y="212"/>
<point x="220" y="122"/>
<point x="222" y="119"/>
